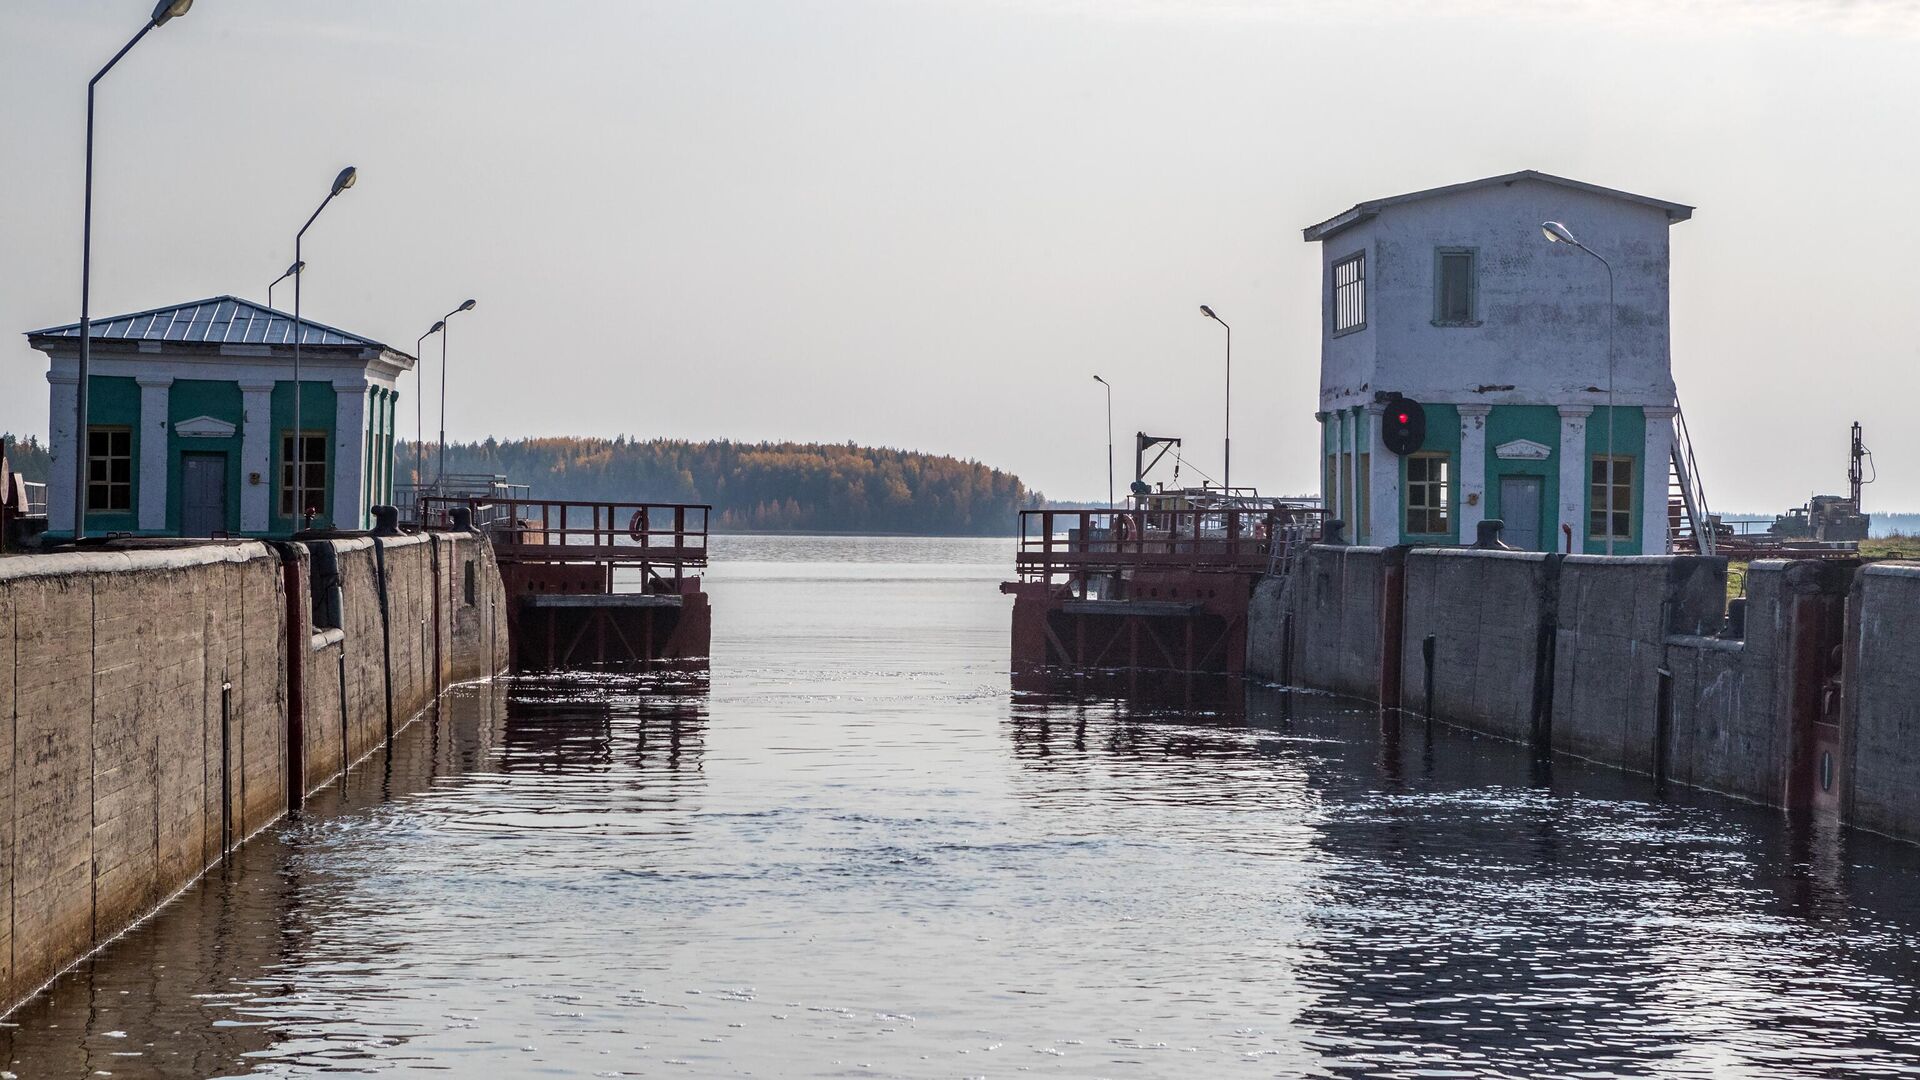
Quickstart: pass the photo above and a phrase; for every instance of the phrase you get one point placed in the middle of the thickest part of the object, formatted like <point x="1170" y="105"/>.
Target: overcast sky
<point x="928" y="223"/>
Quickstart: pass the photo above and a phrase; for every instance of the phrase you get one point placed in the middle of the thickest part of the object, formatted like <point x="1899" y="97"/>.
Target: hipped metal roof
<point x="220" y="320"/>
<point x="1367" y="210"/>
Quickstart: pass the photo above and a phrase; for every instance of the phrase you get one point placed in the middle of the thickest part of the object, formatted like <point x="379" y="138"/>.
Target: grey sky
<point x="927" y="223"/>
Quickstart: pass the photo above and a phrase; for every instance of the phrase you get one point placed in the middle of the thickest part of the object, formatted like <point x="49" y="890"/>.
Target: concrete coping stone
<point x="1883" y="569"/>
<point x="1361" y="549"/>
<point x="1710" y="644"/>
<point x="391" y="542"/>
<point x="1481" y="553"/>
<point x="357" y="543"/>
<point x="1628" y="560"/>
<point x="57" y="564"/>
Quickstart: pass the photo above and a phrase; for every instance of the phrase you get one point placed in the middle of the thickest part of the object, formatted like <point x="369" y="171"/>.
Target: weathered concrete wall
<point x="1486" y="611"/>
<point x="113" y="695"/>
<point x="1721" y="738"/>
<point x="140" y="689"/>
<point x="1611" y="625"/>
<point x="1883" y="706"/>
<point x="1334" y="600"/>
<point x="425" y="587"/>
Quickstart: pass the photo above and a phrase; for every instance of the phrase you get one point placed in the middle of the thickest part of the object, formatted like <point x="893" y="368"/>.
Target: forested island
<point x="762" y="487"/>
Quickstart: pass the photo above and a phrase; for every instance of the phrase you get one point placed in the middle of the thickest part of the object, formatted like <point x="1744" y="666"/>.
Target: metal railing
<point x="1081" y="542"/>
<point x="1699" y="529"/>
<point x="409" y="498"/>
<point x="552" y="531"/>
<point x="36" y="499"/>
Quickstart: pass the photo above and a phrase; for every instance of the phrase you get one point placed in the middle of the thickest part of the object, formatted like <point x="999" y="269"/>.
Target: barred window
<point x="314" y="460"/>
<point x="109" y="468"/>
<point x="1350" y="292"/>
<point x="1427" y="476"/>
<point x="1622" y="478"/>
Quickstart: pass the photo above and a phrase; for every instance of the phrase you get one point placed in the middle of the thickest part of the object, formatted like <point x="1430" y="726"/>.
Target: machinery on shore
<point x="1831" y="518"/>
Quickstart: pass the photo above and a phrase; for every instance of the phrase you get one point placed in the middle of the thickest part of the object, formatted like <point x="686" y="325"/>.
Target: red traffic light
<point x="1404" y="429"/>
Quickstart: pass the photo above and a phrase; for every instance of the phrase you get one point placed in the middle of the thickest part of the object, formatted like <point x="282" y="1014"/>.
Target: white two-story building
<point x="1537" y="395"/>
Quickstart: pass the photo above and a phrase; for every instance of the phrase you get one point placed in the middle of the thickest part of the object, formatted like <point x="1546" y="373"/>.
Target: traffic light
<point x="1403" y="425"/>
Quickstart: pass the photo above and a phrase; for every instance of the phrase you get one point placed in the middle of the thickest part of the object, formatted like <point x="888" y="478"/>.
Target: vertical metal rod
<point x="442" y="474"/>
<point x="226" y="769"/>
<point x="81" y="447"/>
<point x="343" y="716"/>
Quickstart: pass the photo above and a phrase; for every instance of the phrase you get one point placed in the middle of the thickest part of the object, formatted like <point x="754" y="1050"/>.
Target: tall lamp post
<point x="1109" y="387"/>
<point x="442" y="475"/>
<point x="419" y="410"/>
<point x="162" y="12"/>
<point x="340" y="183"/>
<point x="291" y="271"/>
<point x="1557" y="233"/>
<point x="1226" y="480"/>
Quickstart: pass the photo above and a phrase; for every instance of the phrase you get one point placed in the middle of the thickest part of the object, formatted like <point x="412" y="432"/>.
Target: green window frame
<point x="1428" y="497"/>
<point x="1622" y="477"/>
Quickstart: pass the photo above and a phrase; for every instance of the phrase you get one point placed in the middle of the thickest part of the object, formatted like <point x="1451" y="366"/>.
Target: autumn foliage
<point x="771" y="487"/>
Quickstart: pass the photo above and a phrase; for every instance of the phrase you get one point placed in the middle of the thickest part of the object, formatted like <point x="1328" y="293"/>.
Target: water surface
<point x="856" y="850"/>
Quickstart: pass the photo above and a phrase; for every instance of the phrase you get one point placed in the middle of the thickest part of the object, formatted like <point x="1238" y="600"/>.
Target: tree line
<point x="762" y="487"/>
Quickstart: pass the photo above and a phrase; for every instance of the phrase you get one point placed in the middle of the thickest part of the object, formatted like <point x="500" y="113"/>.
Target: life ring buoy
<point x="637" y="528"/>
<point x="1123" y="527"/>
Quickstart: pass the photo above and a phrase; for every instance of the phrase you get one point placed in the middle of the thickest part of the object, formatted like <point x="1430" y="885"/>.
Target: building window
<point x="1350" y="293"/>
<point x="1622" y="480"/>
<point x="1427" y="476"/>
<point x="314" y="458"/>
<point x="1455" y="288"/>
<point x="1332" y="490"/>
<point x="109" y="469"/>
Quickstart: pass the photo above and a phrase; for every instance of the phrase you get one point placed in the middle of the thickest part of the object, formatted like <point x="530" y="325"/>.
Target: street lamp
<point x="442" y="475"/>
<point x="1109" y="387"/>
<point x="1226" y="480"/>
<point x="291" y="271"/>
<point x="1557" y="233"/>
<point x="419" y="394"/>
<point x="162" y="12"/>
<point x="340" y="183"/>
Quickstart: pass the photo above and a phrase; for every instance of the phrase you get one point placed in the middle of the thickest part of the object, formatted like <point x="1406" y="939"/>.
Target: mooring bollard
<point x="386" y="521"/>
<point x="1489" y="536"/>
<point x="1332" y="532"/>
<point x="461" y="518"/>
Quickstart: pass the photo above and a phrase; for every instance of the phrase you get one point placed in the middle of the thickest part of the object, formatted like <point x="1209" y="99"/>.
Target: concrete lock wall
<point x="146" y="704"/>
<point x="1486" y="612"/>
<point x="1883" y="700"/>
<point x="1612" y="618"/>
<point x="1334" y="603"/>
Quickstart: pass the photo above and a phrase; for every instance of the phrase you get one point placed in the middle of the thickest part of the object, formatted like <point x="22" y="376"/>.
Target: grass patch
<point x="1896" y="546"/>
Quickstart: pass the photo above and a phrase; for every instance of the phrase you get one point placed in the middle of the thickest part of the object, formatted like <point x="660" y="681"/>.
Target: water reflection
<point x="856" y="849"/>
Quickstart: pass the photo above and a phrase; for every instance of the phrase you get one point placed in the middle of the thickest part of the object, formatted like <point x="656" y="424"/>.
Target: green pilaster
<point x="222" y="400"/>
<point x="1629" y="441"/>
<point x="114" y="401"/>
<point x="317" y="415"/>
<point x="1540" y="423"/>
<point x="1443" y="437"/>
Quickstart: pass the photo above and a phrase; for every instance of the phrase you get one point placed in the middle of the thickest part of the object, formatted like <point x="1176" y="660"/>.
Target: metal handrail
<point x="553" y="531"/>
<point x="1100" y="541"/>
<point x="1692" y="491"/>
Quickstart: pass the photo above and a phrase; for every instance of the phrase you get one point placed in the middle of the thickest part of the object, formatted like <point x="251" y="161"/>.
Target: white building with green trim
<point x="1454" y="298"/>
<point x="191" y="422"/>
